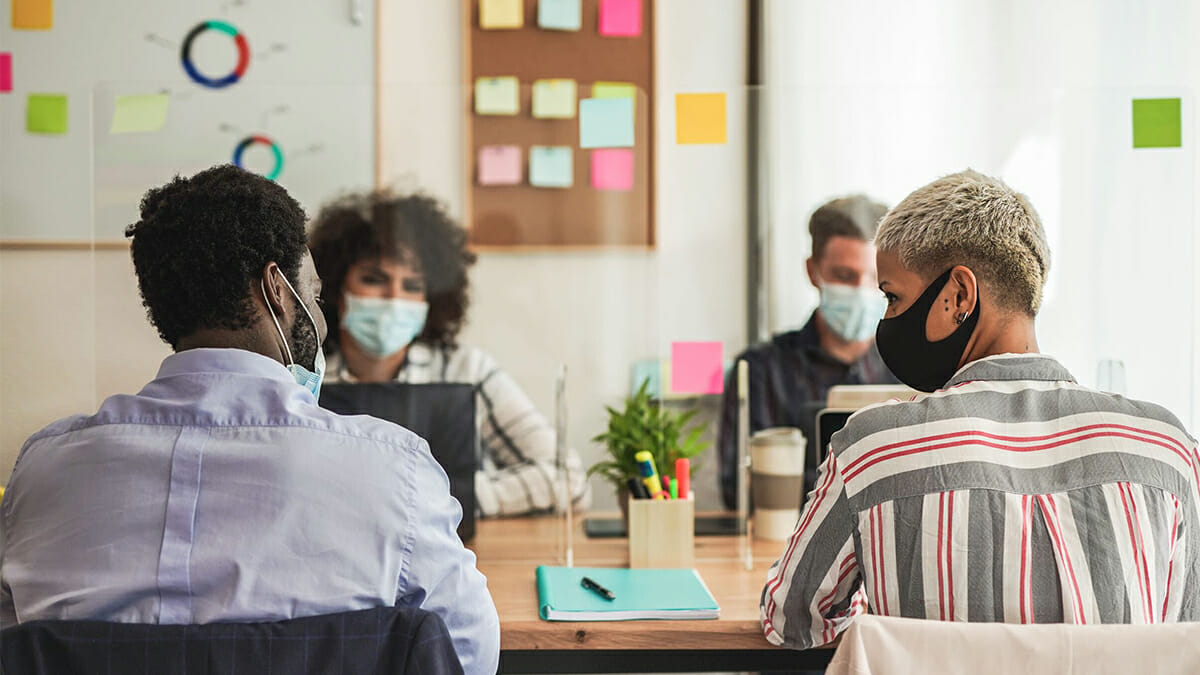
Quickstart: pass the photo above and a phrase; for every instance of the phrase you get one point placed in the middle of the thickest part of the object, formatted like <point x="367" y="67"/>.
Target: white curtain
<point x="882" y="97"/>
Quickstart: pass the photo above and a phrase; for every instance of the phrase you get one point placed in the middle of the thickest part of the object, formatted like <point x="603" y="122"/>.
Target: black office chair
<point x="367" y="642"/>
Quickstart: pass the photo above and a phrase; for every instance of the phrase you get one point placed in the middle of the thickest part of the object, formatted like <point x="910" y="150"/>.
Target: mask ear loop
<point x="279" y="328"/>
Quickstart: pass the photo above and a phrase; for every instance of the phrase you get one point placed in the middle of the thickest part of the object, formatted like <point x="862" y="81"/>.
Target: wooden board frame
<point x="523" y="218"/>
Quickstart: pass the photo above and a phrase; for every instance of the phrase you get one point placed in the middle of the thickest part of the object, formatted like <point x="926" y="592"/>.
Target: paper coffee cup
<point x="776" y="481"/>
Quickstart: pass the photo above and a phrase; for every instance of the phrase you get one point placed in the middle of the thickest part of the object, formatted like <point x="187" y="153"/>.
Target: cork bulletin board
<point x="593" y="211"/>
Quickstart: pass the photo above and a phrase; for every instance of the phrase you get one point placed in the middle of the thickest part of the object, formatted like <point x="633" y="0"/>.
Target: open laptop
<point x="443" y="414"/>
<point x="846" y="399"/>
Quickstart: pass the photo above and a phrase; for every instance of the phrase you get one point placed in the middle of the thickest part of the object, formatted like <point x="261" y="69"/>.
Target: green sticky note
<point x="615" y="90"/>
<point x="551" y="166"/>
<point x="141" y="113"/>
<point x="1157" y="123"/>
<point x="554" y="98"/>
<point x="497" y="96"/>
<point x="46" y="114"/>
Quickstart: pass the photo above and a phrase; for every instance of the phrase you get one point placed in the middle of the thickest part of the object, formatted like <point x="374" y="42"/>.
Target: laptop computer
<point x="443" y="414"/>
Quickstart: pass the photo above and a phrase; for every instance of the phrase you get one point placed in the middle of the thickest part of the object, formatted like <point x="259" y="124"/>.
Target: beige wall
<point x="72" y="331"/>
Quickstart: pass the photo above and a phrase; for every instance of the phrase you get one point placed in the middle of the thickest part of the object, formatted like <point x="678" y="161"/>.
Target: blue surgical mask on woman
<point x="383" y="326"/>
<point x="309" y="379"/>
<point x="852" y="312"/>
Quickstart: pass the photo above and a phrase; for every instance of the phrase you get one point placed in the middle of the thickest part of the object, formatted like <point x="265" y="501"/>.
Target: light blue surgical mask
<point x="309" y="379"/>
<point x="852" y="312"/>
<point x="383" y="326"/>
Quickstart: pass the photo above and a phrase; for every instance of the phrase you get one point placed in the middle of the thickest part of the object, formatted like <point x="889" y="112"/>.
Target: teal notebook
<point x="640" y="594"/>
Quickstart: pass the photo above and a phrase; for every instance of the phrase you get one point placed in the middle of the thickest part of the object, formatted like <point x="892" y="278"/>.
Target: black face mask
<point x="913" y="359"/>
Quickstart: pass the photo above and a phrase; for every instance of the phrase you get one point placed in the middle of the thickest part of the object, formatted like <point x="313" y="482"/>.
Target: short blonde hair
<point x="974" y="220"/>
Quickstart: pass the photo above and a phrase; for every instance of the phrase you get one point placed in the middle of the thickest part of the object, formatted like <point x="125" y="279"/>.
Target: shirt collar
<point x="1012" y="367"/>
<point x="211" y="360"/>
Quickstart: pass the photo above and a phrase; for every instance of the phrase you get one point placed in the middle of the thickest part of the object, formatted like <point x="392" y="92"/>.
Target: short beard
<point x="304" y="339"/>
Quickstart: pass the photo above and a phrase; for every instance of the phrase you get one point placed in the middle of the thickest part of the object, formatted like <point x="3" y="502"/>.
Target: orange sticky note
<point x="699" y="119"/>
<point x="32" y="14"/>
<point x="696" y="368"/>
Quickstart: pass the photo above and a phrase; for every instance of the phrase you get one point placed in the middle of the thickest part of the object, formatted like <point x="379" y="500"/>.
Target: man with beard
<point x="221" y="491"/>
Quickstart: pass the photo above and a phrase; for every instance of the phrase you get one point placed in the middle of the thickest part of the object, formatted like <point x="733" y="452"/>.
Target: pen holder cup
<point x="662" y="533"/>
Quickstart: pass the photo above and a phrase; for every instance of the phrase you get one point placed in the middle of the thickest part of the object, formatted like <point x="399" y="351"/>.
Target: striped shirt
<point x="519" y="470"/>
<point x="1012" y="495"/>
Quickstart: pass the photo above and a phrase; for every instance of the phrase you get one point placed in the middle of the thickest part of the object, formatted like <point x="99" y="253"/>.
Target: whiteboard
<point x="309" y="86"/>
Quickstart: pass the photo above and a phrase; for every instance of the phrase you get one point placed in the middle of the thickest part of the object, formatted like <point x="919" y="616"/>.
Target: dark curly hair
<point x="414" y="229"/>
<point x="203" y="241"/>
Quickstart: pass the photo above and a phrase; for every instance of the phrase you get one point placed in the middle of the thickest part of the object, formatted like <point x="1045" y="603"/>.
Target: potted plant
<point x="645" y="424"/>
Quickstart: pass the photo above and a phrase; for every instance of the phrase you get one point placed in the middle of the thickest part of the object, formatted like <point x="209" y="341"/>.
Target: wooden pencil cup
<point x="662" y="533"/>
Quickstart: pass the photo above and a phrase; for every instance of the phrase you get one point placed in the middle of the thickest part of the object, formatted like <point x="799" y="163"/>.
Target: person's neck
<point x="252" y="340"/>
<point x="833" y="345"/>
<point x="367" y="368"/>
<point x="1013" y="335"/>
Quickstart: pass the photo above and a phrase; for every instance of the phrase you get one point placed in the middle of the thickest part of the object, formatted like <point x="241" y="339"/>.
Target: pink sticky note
<point x="5" y="71"/>
<point x="696" y="368"/>
<point x="621" y="18"/>
<point x="500" y="165"/>
<point x="612" y="169"/>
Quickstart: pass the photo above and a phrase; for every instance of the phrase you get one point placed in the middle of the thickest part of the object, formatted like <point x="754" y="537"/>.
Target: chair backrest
<point x="442" y="413"/>
<point x="880" y="644"/>
<point x="381" y="640"/>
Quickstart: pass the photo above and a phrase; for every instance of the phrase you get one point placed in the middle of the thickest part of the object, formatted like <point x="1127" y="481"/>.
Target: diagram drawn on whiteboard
<point x="243" y="48"/>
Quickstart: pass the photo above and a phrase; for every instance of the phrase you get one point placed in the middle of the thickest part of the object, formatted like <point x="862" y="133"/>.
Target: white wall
<point x="1037" y="93"/>
<point x="595" y="312"/>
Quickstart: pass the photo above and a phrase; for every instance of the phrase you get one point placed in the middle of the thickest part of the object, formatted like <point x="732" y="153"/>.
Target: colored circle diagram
<point x="260" y="140"/>
<point x="243" y="48"/>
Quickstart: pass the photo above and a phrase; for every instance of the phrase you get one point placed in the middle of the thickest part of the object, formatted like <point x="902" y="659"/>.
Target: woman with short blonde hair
<point x="1009" y="492"/>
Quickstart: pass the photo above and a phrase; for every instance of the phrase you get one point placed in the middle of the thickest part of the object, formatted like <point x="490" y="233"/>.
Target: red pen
<point x="683" y="476"/>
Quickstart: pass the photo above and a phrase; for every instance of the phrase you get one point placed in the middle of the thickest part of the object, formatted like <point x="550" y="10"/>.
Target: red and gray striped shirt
<point x="1012" y="495"/>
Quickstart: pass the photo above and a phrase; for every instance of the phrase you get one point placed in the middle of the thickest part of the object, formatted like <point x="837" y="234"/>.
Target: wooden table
<point x="509" y="550"/>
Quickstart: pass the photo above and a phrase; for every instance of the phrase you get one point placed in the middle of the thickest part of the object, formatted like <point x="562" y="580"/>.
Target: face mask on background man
<point x="852" y="312"/>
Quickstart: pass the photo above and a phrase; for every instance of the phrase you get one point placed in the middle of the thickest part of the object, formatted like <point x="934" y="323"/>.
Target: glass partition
<point x="1118" y="311"/>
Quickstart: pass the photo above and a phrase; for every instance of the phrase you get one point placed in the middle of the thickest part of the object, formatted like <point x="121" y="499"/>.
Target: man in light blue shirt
<point x="221" y="491"/>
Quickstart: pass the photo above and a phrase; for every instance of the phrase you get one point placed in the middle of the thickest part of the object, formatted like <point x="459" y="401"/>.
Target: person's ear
<point x="813" y="277"/>
<point x="273" y="289"/>
<point x="965" y="293"/>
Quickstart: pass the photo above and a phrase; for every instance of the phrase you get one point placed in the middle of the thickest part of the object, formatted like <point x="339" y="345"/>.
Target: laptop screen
<point x="442" y="413"/>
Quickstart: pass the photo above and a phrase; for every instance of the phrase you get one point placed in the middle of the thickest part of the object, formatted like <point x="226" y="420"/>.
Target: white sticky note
<point x="554" y="99"/>
<point x="497" y="96"/>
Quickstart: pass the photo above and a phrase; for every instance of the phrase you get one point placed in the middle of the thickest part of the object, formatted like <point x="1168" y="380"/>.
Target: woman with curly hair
<point x="394" y="271"/>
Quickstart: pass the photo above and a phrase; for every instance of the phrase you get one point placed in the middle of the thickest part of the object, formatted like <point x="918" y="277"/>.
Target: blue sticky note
<point x="560" y="14"/>
<point x="551" y="166"/>
<point x="606" y="123"/>
<point x="648" y="371"/>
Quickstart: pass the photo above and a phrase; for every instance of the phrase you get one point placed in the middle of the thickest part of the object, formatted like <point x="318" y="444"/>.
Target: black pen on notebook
<point x="598" y="589"/>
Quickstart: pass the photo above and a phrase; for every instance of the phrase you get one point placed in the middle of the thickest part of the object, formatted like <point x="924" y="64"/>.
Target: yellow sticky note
<point x="501" y="14"/>
<point x="46" y="114"/>
<point x="145" y="112"/>
<point x="32" y="14"/>
<point x="699" y="118"/>
<point x="554" y="98"/>
<point x="497" y="96"/>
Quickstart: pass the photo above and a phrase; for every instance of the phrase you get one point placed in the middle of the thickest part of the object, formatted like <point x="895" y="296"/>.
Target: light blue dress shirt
<point x="222" y="492"/>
